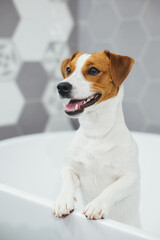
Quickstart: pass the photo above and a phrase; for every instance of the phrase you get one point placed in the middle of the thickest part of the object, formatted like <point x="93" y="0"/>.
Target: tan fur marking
<point x="70" y="62"/>
<point x="113" y="71"/>
<point x="101" y="83"/>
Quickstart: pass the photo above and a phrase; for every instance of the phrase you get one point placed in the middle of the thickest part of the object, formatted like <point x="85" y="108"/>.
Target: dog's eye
<point x="93" y="71"/>
<point x="68" y="70"/>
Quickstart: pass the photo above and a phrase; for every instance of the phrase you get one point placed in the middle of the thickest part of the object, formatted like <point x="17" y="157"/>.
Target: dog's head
<point x="91" y="78"/>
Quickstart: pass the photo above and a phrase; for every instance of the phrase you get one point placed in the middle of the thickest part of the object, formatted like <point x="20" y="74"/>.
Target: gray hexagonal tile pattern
<point x="9" y="60"/>
<point x="151" y="102"/>
<point x="9" y="131"/>
<point x="33" y="118"/>
<point x="55" y="53"/>
<point x="130" y="8"/>
<point x="33" y="44"/>
<point x="151" y="59"/>
<point x="135" y="82"/>
<point x="130" y="38"/>
<point x="80" y="9"/>
<point x="153" y="128"/>
<point x="133" y="116"/>
<point x="32" y="80"/>
<point x="51" y="99"/>
<point x="99" y="46"/>
<point x="102" y="21"/>
<point x="152" y="17"/>
<point x="9" y="18"/>
<point x="80" y="39"/>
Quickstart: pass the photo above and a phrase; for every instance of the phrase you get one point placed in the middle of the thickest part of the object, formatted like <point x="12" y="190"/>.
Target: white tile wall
<point x="36" y="35"/>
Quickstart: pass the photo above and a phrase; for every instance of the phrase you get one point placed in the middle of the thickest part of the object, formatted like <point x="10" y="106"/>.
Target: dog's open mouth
<point x="76" y="106"/>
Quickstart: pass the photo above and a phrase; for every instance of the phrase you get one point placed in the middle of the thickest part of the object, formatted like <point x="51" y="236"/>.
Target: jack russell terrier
<point x="103" y="158"/>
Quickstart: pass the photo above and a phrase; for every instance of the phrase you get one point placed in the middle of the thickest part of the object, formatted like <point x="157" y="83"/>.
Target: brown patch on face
<point x="113" y="70"/>
<point x="71" y="63"/>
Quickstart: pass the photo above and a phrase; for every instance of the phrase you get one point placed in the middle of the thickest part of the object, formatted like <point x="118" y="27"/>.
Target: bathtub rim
<point x="48" y="204"/>
<point x="109" y="223"/>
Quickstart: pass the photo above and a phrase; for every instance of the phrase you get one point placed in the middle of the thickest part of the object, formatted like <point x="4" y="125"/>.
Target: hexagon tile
<point x="33" y="118"/>
<point x="31" y="38"/>
<point x="130" y="8"/>
<point x="151" y="103"/>
<point x="62" y="21"/>
<point x="55" y="53"/>
<point x="35" y="31"/>
<point x="130" y="38"/>
<point x="134" y="118"/>
<point x="11" y="103"/>
<point x="51" y="99"/>
<point x="33" y="9"/>
<point x="9" y="60"/>
<point x="8" y="132"/>
<point x="152" y="17"/>
<point x="151" y="59"/>
<point x="102" y="21"/>
<point x="154" y="128"/>
<point x="36" y="35"/>
<point x="9" y="18"/>
<point x="32" y="80"/>
<point x="80" y="9"/>
<point x="80" y="39"/>
<point x="135" y="82"/>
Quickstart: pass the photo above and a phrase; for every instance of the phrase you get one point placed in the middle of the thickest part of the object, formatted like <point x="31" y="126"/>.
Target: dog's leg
<point x="64" y="204"/>
<point x="100" y="206"/>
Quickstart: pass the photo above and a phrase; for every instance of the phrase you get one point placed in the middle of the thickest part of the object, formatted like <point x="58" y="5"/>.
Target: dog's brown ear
<point x="67" y="61"/>
<point x="120" y="67"/>
<point x="75" y="54"/>
<point x="64" y="66"/>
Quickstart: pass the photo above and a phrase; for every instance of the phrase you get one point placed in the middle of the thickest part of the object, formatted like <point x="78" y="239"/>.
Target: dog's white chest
<point x="94" y="163"/>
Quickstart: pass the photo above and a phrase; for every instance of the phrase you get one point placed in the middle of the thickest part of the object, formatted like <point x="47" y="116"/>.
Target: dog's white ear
<point x="120" y="66"/>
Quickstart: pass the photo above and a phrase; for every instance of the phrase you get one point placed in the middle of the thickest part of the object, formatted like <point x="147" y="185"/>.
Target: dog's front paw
<point x="97" y="209"/>
<point x="64" y="205"/>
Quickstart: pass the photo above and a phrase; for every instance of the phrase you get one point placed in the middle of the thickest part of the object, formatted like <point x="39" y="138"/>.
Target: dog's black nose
<point x="64" y="89"/>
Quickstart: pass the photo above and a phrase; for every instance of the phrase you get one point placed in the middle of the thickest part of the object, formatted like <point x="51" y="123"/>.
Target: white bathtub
<point x="30" y="181"/>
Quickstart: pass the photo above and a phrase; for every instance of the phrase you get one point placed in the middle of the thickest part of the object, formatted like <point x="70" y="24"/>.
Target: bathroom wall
<point x="33" y="42"/>
<point x="129" y="27"/>
<point x="35" y="35"/>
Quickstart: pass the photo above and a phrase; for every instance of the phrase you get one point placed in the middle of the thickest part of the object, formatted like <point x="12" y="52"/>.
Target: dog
<point x="103" y="158"/>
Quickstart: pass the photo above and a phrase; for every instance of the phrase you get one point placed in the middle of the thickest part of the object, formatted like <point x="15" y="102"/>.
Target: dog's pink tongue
<point x="71" y="106"/>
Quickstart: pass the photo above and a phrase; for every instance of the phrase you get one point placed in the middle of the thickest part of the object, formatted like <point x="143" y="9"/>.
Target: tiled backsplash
<point x="128" y="27"/>
<point x="36" y="35"/>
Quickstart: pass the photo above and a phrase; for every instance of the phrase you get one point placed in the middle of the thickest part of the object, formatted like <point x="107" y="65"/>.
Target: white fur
<point x="103" y="161"/>
<point x="81" y="87"/>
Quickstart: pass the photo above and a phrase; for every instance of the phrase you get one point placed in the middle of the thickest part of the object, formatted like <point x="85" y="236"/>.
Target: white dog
<point x="103" y="157"/>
